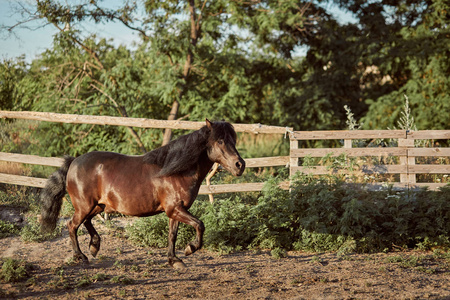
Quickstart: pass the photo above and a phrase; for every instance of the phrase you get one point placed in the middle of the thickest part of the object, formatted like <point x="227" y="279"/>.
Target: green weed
<point x="83" y="281"/>
<point x="14" y="270"/>
<point x="32" y="231"/>
<point x="278" y="253"/>
<point x="8" y="229"/>
<point x="99" y="277"/>
<point x="122" y="280"/>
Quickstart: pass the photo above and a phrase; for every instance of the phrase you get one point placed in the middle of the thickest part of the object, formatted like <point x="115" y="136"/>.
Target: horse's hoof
<point x="77" y="259"/>
<point x="94" y="250"/>
<point x="189" y="250"/>
<point x="179" y="266"/>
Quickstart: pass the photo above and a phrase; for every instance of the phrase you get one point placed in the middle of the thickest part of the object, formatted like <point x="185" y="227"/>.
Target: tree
<point x="11" y="71"/>
<point x="404" y="51"/>
<point x="236" y="60"/>
<point x="190" y="57"/>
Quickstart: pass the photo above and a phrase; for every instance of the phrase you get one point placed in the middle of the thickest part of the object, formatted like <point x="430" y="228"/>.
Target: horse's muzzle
<point x="240" y="167"/>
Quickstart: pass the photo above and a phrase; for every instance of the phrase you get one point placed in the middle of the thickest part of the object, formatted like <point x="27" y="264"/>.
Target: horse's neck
<point x="204" y="166"/>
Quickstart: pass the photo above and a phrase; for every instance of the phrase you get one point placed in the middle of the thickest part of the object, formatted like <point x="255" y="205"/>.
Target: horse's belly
<point x="131" y="206"/>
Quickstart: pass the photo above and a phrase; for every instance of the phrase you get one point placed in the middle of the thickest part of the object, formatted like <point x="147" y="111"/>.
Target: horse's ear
<point x="208" y="124"/>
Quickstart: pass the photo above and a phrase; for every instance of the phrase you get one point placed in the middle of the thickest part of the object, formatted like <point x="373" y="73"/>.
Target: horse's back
<point x="114" y="180"/>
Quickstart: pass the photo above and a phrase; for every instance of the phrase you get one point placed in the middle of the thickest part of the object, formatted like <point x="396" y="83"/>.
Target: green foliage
<point x="28" y="201"/>
<point x="317" y="215"/>
<point x="239" y="62"/>
<point x="150" y="231"/>
<point x="409" y="51"/>
<point x="278" y="253"/>
<point x="7" y="229"/>
<point x="228" y="223"/>
<point x="19" y="196"/>
<point x="11" y="72"/>
<point x="31" y="232"/>
<point x="14" y="270"/>
<point x="374" y="220"/>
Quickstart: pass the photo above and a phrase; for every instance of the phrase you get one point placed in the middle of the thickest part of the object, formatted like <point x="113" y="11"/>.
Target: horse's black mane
<point x="183" y="153"/>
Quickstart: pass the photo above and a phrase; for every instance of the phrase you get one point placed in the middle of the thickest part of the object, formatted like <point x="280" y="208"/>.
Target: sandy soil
<point x="122" y="270"/>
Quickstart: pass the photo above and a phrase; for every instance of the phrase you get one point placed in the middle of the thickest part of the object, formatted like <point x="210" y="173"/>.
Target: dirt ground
<point x="122" y="270"/>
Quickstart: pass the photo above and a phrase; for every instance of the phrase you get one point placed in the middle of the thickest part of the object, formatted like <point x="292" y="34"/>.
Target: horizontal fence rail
<point x="405" y="153"/>
<point x="132" y="122"/>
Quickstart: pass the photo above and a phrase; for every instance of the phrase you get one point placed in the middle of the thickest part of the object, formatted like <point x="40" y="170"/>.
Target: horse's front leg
<point x="174" y="261"/>
<point x="180" y="214"/>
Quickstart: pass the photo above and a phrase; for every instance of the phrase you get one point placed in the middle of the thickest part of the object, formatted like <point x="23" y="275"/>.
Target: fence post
<point x="411" y="159"/>
<point x="348" y="143"/>
<point x="405" y="160"/>
<point x="293" y="161"/>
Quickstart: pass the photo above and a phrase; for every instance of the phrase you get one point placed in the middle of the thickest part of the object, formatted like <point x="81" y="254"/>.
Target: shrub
<point x="7" y="229"/>
<point x="319" y="214"/>
<point x="32" y="231"/>
<point x="153" y="232"/>
<point x="14" y="270"/>
<point x="149" y="232"/>
<point x="229" y="224"/>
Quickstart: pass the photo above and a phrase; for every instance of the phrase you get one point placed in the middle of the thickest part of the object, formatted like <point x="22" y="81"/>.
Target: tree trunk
<point x="187" y="68"/>
<point x="172" y="116"/>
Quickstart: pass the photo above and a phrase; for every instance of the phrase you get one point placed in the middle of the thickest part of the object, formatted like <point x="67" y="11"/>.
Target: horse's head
<point x="222" y="147"/>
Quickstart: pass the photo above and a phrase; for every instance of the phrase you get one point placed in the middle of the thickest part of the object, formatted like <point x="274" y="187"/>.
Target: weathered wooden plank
<point x="429" y="169"/>
<point x="293" y="161"/>
<point x="354" y="152"/>
<point x="378" y="169"/>
<point x="429" y="152"/>
<point x="379" y="186"/>
<point x="403" y="159"/>
<point x="31" y="159"/>
<point x="408" y="160"/>
<point x="266" y="161"/>
<point x="22" y="180"/>
<point x="429" y="135"/>
<point x="239" y="187"/>
<point x="132" y="122"/>
<point x="348" y="134"/>
<point x="431" y="185"/>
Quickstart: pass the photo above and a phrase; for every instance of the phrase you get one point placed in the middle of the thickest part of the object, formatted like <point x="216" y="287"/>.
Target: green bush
<point x="318" y="214"/>
<point x="7" y="229"/>
<point x="13" y="270"/>
<point x="32" y="231"/>
<point x="373" y="220"/>
<point x="149" y="232"/>
<point x="229" y="224"/>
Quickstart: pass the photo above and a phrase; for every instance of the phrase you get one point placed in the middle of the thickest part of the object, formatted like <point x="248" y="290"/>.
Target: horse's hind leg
<point x="73" y="225"/>
<point x="174" y="261"/>
<point x="94" y="244"/>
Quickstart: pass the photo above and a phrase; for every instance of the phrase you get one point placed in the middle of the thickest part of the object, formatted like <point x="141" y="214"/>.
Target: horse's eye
<point x="220" y="142"/>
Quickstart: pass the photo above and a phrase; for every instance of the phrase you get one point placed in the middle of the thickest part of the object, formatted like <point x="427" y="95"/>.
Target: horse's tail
<point x="52" y="195"/>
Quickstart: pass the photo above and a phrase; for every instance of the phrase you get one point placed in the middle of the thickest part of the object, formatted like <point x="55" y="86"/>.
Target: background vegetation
<point x="237" y="60"/>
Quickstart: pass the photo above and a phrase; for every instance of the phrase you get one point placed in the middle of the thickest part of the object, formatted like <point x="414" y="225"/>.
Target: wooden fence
<point x="142" y="123"/>
<point x="403" y="155"/>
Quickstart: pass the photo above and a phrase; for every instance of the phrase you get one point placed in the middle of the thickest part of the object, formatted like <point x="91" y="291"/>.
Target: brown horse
<point x="166" y="179"/>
